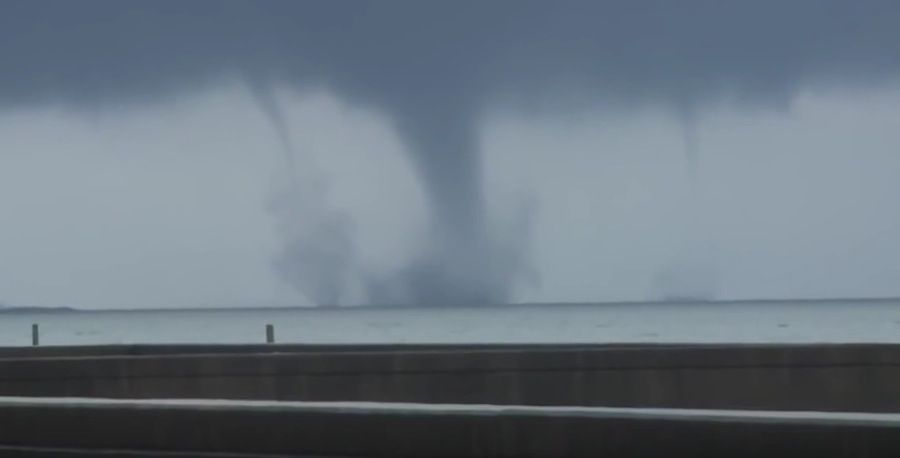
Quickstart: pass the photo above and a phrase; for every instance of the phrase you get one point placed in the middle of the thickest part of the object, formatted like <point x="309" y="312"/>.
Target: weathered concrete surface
<point x="426" y="431"/>
<point x="777" y="377"/>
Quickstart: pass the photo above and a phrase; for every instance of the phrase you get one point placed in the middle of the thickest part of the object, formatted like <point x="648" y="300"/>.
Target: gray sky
<point x="449" y="152"/>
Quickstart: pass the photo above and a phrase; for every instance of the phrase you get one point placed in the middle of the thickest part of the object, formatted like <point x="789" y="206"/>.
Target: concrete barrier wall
<point x="824" y="378"/>
<point x="204" y="349"/>
<point x="422" y="431"/>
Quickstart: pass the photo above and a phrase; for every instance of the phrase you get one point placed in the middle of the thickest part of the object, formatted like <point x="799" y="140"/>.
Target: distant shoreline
<point x="520" y="305"/>
<point x="14" y="310"/>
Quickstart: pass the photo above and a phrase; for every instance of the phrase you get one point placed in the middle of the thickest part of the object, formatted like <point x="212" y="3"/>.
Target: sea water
<point x="750" y="322"/>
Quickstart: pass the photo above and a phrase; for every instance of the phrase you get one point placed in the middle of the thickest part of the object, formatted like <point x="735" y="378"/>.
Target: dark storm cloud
<point x="394" y="53"/>
<point x="431" y="67"/>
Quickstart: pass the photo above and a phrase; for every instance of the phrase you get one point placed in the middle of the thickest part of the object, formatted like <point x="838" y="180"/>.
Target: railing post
<point x="35" y="335"/>
<point x="270" y="333"/>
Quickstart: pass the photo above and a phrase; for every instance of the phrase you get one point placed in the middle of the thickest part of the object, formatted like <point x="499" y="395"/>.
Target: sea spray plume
<point x="318" y="253"/>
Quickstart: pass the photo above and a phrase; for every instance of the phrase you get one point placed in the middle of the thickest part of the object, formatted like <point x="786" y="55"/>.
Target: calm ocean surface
<point x="771" y="321"/>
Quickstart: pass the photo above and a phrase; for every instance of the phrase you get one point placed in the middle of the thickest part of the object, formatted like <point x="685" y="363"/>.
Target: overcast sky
<point x="294" y="153"/>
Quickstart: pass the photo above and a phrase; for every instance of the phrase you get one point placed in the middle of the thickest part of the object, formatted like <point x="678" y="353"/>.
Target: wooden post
<point x="35" y="335"/>
<point x="270" y="333"/>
